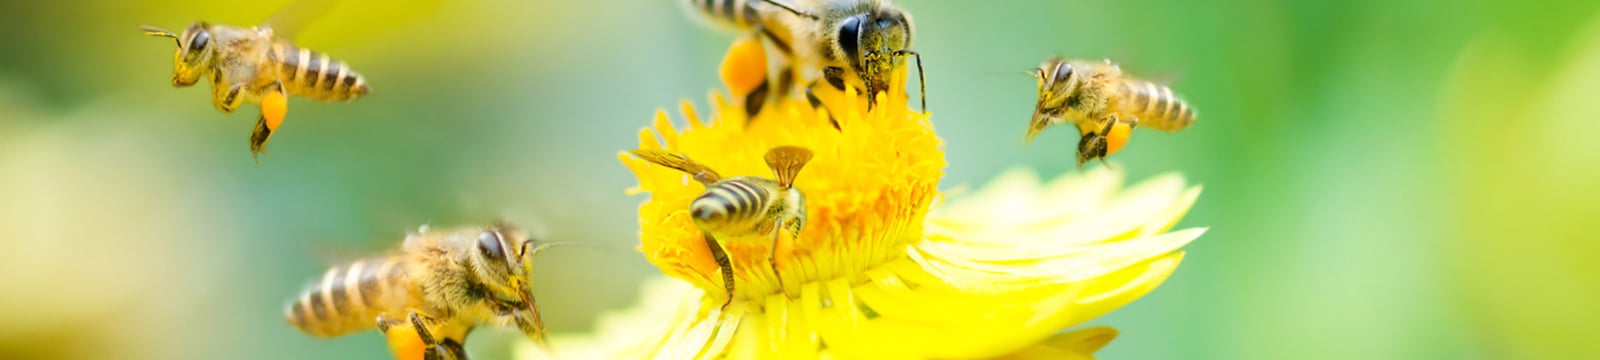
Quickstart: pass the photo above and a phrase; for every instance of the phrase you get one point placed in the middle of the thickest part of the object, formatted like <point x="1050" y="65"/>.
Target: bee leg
<point x="1093" y="144"/>
<point x="1086" y="148"/>
<point x="755" y="100"/>
<point x="758" y="98"/>
<point x="922" y="83"/>
<point x="228" y="99"/>
<point x="721" y="258"/>
<point x="449" y="349"/>
<point x="816" y="103"/>
<point x="1103" y="146"/>
<point x="772" y="259"/>
<point x="385" y="323"/>
<point x="785" y="78"/>
<point x="434" y="347"/>
<point x="531" y="323"/>
<point x="834" y="76"/>
<point x="274" y="104"/>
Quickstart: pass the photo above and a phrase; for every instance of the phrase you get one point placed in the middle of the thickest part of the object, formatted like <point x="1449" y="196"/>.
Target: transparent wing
<point x="288" y="21"/>
<point x="679" y="162"/>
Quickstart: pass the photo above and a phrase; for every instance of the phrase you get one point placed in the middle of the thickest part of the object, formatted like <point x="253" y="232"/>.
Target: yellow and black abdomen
<point x="313" y="74"/>
<point x="739" y="14"/>
<point x="737" y="205"/>
<point x="349" y="298"/>
<point x="1155" y="105"/>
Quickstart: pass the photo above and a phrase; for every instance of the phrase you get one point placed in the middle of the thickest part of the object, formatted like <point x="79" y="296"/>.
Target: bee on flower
<point x="885" y="265"/>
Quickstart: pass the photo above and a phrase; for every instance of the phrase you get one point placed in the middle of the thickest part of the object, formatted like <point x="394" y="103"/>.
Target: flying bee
<point x="863" y="40"/>
<point x="849" y="41"/>
<point x="259" y="65"/>
<point x="743" y="206"/>
<point x="440" y="285"/>
<point x="1104" y="104"/>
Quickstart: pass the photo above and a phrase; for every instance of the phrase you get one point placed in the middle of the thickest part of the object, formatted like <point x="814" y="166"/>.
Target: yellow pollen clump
<point x="273" y="107"/>
<point x="745" y="66"/>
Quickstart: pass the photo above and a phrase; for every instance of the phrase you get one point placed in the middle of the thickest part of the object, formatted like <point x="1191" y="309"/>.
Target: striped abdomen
<point x="313" y="74"/>
<point x="349" y="298"/>
<point x="737" y="204"/>
<point x="737" y="13"/>
<point x="1155" y="106"/>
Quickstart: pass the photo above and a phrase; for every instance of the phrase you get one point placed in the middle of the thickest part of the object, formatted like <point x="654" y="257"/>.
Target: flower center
<point x="873" y="177"/>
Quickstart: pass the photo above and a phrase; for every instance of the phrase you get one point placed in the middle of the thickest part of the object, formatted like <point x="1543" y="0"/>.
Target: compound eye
<point x="490" y="243"/>
<point x="849" y="38"/>
<point x="1063" y="71"/>
<point x="200" y="41"/>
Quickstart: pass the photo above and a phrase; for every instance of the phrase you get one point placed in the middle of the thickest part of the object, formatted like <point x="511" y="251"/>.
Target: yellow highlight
<point x="745" y="65"/>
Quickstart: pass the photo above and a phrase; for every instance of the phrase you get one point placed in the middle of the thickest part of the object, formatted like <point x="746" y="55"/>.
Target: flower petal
<point x="1074" y="345"/>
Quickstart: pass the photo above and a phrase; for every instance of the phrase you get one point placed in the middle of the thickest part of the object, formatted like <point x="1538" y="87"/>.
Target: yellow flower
<point x="879" y="271"/>
<point x="867" y="189"/>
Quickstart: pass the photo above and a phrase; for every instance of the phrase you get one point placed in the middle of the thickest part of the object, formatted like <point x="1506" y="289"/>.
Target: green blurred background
<point x="1384" y="179"/>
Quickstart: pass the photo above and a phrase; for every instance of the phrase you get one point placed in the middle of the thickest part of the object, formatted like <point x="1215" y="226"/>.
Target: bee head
<point x="503" y="257"/>
<point x="194" y="54"/>
<point x="874" y="44"/>
<point x="501" y="265"/>
<point x="1056" y="83"/>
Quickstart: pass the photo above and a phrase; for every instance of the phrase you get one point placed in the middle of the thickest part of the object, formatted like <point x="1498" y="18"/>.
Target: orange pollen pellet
<point x="273" y="107"/>
<point x="405" y="343"/>
<point x="745" y="65"/>
<point x="1117" y="137"/>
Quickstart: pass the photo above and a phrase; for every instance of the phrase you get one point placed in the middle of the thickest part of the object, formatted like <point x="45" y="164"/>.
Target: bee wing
<point x="679" y="162"/>
<point x="786" y="162"/>
<point x="288" y="21"/>
<point x="328" y="255"/>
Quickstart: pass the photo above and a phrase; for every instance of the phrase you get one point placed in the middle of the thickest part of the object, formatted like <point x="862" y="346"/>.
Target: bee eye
<point x="849" y="37"/>
<point x="490" y="244"/>
<point x="199" y="41"/>
<point x="1063" y="71"/>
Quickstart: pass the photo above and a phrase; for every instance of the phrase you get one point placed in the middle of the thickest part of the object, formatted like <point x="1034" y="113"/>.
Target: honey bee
<point x="258" y="65"/>
<point x="438" y="287"/>
<point x="849" y="41"/>
<point x="864" y="40"/>
<point x="762" y="22"/>
<point x="1103" y="104"/>
<point x="743" y="206"/>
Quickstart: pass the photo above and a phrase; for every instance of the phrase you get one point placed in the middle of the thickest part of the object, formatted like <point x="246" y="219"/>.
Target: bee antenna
<point x="922" y="83"/>
<point x="155" y="31"/>
<point x="1034" y="73"/>
<point x="529" y="249"/>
